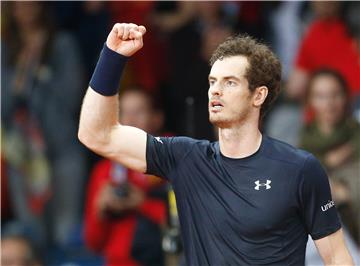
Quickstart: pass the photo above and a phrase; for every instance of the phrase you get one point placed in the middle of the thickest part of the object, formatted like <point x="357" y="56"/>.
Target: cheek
<point x="339" y="105"/>
<point x="209" y="93"/>
<point x="319" y="104"/>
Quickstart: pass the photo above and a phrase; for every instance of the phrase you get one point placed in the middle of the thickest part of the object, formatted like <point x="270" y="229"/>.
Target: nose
<point x="215" y="89"/>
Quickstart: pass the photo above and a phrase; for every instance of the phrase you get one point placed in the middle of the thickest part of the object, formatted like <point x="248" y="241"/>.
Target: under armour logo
<point x="266" y="185"/>
<point x="159" y="140"/>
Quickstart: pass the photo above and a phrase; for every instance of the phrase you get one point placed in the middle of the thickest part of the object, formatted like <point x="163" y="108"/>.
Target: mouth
<point x="215" y="105"/>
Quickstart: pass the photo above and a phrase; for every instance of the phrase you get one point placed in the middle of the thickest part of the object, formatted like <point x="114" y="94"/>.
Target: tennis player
<point x="247" y="199"/>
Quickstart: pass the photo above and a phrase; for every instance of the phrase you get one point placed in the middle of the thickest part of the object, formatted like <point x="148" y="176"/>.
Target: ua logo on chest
<point x="262" y="185"/>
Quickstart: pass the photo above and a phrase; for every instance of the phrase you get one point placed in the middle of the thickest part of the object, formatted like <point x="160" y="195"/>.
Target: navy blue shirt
<point x="256" y="210"/>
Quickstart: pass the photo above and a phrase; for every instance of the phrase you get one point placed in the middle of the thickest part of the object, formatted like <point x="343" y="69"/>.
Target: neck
<point x="241" y="141"/>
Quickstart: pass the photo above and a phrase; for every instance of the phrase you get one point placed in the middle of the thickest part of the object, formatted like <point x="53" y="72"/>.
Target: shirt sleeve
<point x="96" y="230"/>
<point x="317" y="207"/>
<point x="163" y="154"/>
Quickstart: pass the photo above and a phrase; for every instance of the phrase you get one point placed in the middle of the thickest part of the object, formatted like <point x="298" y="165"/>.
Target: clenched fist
<point x="126" y="38"/>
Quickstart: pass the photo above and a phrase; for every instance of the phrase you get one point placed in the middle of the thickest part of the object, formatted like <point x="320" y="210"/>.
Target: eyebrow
<point x="226" y="78"/>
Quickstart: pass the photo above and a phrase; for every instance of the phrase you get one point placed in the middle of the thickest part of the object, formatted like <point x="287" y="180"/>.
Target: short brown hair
<point x="264" y="67"/>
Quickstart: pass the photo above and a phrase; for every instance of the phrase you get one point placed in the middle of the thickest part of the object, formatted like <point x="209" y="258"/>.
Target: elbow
<point x="91" y="141"/>
<point x="84" y="138"/>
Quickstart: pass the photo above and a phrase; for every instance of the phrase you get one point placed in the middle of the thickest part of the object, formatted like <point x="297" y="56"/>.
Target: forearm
<point x="99" y="114"/>
<point x="340" y="259"/>
<point x="333" y="249"/>
<point x="96" y="230"/>
<point x="340" y="155"/>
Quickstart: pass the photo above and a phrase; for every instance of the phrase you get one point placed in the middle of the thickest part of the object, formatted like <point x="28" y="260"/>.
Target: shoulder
<point x="179" y="140"/>
<point x="281" y="151"/>
<point x="306" y="165"/>
<point x="184" y="146"/>
<point x="199" y="144"/>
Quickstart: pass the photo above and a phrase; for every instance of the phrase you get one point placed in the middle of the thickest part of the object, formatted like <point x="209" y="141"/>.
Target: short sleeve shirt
<point x="256" y="210"/>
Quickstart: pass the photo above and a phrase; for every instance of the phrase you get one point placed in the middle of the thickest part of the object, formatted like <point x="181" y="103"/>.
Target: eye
<point x="211" y="82"/>
<point x="230" y="83"/>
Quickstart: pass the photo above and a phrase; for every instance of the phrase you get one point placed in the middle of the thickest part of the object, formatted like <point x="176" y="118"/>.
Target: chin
<point x="218" y="122"/>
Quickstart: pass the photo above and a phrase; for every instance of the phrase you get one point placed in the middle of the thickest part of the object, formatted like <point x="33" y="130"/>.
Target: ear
<point x="260" y="95"/>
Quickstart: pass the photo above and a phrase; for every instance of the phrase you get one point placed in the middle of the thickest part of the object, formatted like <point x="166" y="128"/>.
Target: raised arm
<point x="99" y="128"/>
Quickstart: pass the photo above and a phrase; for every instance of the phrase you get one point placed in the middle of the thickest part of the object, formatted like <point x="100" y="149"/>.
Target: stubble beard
<point x="218" y="121"/>
<point x="223" y="121"/>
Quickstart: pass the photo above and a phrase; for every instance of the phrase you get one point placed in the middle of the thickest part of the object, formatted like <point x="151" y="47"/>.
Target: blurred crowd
<point x="60" y="203"/>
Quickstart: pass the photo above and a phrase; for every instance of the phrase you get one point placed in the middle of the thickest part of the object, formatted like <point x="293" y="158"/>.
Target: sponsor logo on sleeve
<point x="328" y="205"/>
<point x="159" y="140"/>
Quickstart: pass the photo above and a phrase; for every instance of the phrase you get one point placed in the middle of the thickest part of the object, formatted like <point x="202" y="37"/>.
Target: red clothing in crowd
<point x="328" y="44"/>
<point x="113" y="237"/>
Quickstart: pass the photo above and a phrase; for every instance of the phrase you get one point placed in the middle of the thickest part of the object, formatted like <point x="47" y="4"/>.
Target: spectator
<point x="18" y="251"/>
<point x="41" y="90"/>
<point x="125" y="209"/>
<point x="327" y="43"/>
<point x="286" y="31"/>
<point x="334" y="137"/>
<point x="89" y="22"/>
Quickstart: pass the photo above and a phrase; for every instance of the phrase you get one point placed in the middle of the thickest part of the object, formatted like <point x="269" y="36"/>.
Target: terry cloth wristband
<point x="106" y="77"/>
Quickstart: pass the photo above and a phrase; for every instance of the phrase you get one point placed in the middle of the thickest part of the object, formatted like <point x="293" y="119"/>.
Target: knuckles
<point x="126" y="26"/>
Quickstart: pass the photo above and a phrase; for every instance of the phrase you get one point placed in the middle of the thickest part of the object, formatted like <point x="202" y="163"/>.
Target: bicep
<point x="127" y="146"/>
<point x="332" y="249"/>
<point x="101" y="132"/>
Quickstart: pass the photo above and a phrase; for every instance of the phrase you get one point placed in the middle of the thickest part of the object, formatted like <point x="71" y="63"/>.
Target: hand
<point x="136" y="197"/>
<point x="105" y="198"/>
<point x="340" y="192"/>
<point x="109" y="201"/>
<point x="126" y="38"/>
<point x="339" y="156"/>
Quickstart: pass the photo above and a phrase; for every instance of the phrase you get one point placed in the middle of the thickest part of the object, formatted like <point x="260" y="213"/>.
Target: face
<point x="327" y="99"/>
<point x="135" y="110"/>
<point x="326" y="9"/>
<point x="15" y="253"/>
<point x="230" y="99"/>
<point x="26" y="13"/>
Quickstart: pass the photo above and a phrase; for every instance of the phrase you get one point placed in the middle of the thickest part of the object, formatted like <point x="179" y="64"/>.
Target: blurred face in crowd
<point x="16" y="252"/>
<point x="212" y="37"/>
<point x="135" y="110"/>
<point x="230" y="99"/>
<point x="328" y="100"/>
<point x="27" y="14"/>
<point x="208" y="11"/>
<point x="326" y="9"/>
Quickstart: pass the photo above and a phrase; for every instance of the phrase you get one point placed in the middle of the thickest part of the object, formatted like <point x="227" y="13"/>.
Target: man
<point x="245" y="200"/>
